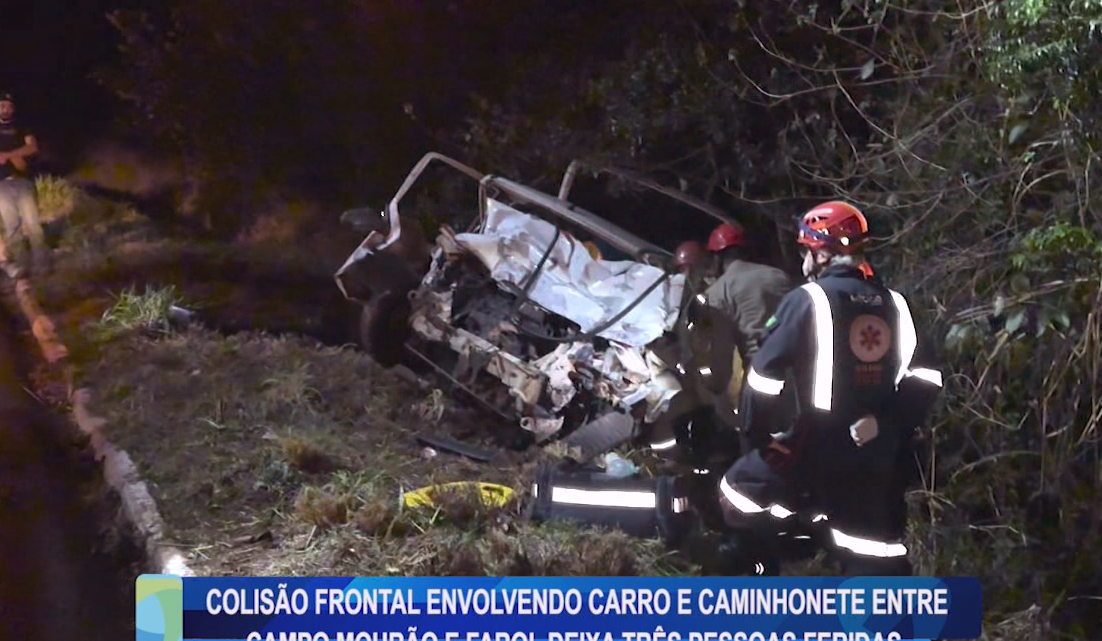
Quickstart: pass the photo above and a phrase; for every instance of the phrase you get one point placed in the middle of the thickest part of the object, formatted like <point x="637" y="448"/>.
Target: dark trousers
<point x="864" y="515"/>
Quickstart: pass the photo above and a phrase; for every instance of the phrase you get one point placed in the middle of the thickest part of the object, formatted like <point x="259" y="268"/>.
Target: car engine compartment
<point x="558" y="375"/>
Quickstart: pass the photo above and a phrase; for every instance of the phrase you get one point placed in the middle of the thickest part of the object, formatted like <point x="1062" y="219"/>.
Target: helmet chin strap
<point x="811" y="266"/>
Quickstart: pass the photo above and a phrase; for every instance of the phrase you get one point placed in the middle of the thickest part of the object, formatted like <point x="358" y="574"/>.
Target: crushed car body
<point x="522" y="311"/>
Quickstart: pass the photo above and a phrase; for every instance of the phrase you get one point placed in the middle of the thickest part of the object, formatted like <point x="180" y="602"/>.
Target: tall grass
<point x="57" y="197"/>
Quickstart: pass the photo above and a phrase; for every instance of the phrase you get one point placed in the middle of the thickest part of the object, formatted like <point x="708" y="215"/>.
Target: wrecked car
<point x="551" y="316"/>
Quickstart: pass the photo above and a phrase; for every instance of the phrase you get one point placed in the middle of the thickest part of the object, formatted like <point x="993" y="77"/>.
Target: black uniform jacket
<point x="839" y="348"/>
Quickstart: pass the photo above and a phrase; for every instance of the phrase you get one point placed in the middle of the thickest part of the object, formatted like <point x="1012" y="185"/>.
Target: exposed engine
<point x="501" y="314"/>
<point x="505" y="318"/>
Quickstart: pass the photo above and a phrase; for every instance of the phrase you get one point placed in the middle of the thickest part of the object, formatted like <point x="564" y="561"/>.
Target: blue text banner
<point x="581" y="609"/>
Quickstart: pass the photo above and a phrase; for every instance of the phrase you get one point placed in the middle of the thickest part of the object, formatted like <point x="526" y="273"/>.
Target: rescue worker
<point x="689" y="256"/>
<point x="848" y="345"/>
<point x="691" y="354"/>
<point x="727" y="323"/>
<point x="707" y="346"/>
<point x="687" y="435"/>
<point x="719" y="332"/>
<point x="747" y="294"/>
<point x="703" y="336"/>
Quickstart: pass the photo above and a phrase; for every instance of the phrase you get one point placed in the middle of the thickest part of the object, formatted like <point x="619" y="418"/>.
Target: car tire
<point x="384" y="328"/>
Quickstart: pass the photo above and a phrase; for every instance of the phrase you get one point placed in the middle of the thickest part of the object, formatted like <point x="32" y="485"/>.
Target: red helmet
<point x="689" y="254"/>
<point x="724" y="236"/>
<point x="837" y="226"/>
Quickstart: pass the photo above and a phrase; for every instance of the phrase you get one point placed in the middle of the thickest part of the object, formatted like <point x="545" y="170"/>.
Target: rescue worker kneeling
<point x="717" y="336"/>
<point x="686" y="433"/>
<point x="847" y="344"/>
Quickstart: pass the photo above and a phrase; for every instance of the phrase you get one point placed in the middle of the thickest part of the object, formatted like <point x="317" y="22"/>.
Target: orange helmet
<point x="724" y="236"/>
<point x="837" y="226"/>
<point x="689" y="254"/>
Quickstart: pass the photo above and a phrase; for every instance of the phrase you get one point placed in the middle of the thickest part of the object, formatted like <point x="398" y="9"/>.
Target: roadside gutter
<point x="139" y="508"/>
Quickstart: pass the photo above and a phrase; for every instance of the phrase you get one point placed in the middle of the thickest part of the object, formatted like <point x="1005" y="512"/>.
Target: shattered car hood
<point x="571" y="282"/>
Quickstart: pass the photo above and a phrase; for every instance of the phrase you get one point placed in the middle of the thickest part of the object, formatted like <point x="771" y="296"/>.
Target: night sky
<point x="49" y="47"/>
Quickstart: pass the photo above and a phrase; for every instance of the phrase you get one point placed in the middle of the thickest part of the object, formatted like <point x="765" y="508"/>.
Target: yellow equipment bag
<point x="492" y="494"/>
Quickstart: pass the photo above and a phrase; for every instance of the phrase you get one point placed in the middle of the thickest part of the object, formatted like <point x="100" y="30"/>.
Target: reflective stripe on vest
<point x="868" y="547"/>
<point x="746" y="505"/>
<point x="931" y="376"/>
<point x="908" y="343"/>
<point x="822" y="375"/>
<point x="764" y="384"/>
<point x="908" y="337"/>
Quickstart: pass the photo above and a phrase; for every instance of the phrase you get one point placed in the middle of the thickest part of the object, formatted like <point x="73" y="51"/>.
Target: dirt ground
<point x="106" y="249"/>
<point x="275" y="456"/>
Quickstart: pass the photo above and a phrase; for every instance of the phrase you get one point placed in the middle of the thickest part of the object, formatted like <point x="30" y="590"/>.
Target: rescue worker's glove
<point x="864" y="430"/>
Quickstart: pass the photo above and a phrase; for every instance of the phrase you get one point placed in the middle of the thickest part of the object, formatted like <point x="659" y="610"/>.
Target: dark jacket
<point x="13" y="136"/>
<point x="868" y="367"/>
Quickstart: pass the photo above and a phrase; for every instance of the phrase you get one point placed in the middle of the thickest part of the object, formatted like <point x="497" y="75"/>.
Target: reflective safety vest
<point x="847" y="342"/>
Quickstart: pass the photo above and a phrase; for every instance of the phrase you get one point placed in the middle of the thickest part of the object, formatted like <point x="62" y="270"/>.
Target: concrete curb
<point x="119" y="470"/>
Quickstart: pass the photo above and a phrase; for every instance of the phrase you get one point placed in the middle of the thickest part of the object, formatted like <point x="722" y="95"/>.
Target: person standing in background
<point x="18" y="204"/>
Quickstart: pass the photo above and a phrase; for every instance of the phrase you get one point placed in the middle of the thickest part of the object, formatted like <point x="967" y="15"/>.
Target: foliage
<point x="1047" y="45"/>
<point x="148" y="311"/>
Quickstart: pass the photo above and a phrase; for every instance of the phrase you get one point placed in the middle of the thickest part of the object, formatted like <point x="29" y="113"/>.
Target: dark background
<point x="435" y="56"/>
<point x="47" y="50"/>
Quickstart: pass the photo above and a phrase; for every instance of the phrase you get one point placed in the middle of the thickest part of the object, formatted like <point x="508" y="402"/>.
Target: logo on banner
<point x="869" y="338"/>
<point x="159" y="608"/>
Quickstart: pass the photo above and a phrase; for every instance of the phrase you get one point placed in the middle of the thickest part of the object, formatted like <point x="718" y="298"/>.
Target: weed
<point x="147" y="311"/>
<point x="57" y="197"/>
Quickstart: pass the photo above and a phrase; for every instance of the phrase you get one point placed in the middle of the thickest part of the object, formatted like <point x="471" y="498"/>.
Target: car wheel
<point x="384" y="328"/>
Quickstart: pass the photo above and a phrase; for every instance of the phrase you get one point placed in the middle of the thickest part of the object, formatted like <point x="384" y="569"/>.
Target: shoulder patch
<point x="870" y="300"/>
